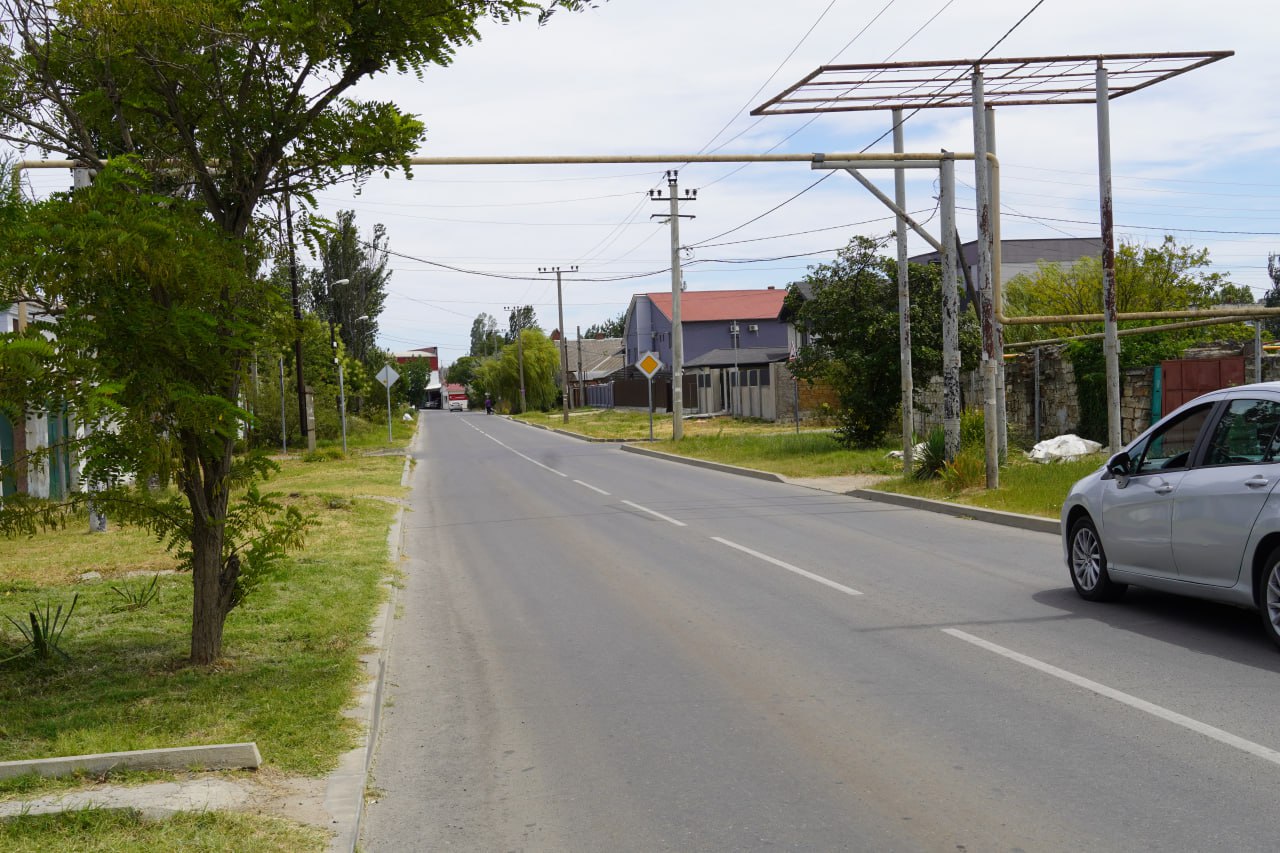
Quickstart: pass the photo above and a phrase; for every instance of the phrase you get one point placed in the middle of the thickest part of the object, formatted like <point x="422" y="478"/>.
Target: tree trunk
<point x="207" y="613"/>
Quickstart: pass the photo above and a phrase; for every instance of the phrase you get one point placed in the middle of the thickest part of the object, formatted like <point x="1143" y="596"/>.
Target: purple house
<point x="730" y="326"/>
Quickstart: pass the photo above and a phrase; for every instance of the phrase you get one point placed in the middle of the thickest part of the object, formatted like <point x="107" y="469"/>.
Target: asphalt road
<point x="599" y="651"/>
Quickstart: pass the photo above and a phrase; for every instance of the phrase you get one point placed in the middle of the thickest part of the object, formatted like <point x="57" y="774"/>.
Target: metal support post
<point x="582" y="381"/>
<point x="993" y="191"/>
<point x="284" y="435"/>
<point x="950" y="309"/>
<point x="1111" y="340"/>
<point x="985" y="289"/>
<point x="904" y="304"/>
<point x="1257" y="350"/>
<point x="342" y="408"/>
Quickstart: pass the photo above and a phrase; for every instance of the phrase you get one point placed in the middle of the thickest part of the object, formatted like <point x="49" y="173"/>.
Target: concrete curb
<point x="223" y="756"/>
<point x="991" y="516"/>
<point x="703" y="463"/>
<point x="345" y="786"/>
<point x="576" y="435"/>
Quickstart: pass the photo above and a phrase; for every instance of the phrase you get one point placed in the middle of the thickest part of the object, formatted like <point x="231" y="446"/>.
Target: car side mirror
<point x="1120" y="466"/>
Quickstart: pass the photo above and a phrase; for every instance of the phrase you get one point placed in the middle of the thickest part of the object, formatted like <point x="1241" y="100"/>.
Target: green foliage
<point x="521" y="317"/>
<point x="851" y="311"/>
<point x="613" y="328"/>
<point x="44" y="637"/>
<point x="1166" y="277"/>
<point x="966" y="471"/>
<point x="485" y="338"/>
<point x="501" y="376"/>
<point x="931" y="455"/>
<point x="973" y="428"/>
<point x="138" y="597"/>
<point x="415" y="375"/>
<point x="353" y="307"/>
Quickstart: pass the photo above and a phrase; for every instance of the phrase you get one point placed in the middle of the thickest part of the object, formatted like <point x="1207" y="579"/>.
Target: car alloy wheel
<point x="1089" y="564"/>
<point x="1271" y="597"/>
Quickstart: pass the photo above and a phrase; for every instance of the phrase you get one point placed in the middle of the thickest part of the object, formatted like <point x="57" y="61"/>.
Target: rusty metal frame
<point x="1010" y="81"/>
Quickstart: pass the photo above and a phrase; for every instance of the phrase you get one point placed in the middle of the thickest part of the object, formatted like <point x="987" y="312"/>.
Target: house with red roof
<point x="731" y="340"/>
<point x="746" y="322"/>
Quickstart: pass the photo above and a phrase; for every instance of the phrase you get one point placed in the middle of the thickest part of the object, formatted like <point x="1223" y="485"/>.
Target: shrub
<point x="967" y="470"/>
<point x="931" y="455"/>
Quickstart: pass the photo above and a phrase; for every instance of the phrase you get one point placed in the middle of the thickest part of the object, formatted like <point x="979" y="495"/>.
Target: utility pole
<point x="582" y="382"/>
<point x="333" y="346"/>
<point x="564" y="352"/>
<point x="297" y="317"/>
<point x="677" y="332"/>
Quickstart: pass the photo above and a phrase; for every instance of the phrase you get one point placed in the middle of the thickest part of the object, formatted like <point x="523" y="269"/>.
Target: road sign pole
<point x="651" y="408"/>
<point x="388" y="414"/>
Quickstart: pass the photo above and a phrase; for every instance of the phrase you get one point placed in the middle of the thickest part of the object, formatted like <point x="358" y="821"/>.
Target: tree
<point x="520" y="318"/>
<point x="463" y="371"/>
<point x="232" y="104"/>
<point x="156" y="313"/>
<point x="352" y="308"/>
<point x="851" y="314"/>
<point x="485" y="339"/>
<point x="615" y="328"/>
<point x="501" y="376"/>
<point x="1272" y="297"/>
<point x="1167" y="277"/>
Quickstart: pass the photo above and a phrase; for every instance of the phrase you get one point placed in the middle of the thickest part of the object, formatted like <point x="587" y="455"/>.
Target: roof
<point x="600" y="357"/>
<point x="697" y="306"/>
<point x="742" y="356"/>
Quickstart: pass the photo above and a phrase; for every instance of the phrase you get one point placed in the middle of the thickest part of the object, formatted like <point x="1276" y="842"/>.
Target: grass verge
<point x="634" y="426"/>
<point x="806" y="454"/>
<point x="102" y="831"/>
<point x="290" y="651"/>
<point x="1026" y="487"/>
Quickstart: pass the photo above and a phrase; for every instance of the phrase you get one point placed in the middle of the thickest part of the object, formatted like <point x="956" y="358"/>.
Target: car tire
<point x="1269" y="597"/>
<point x="1087" y="562"/>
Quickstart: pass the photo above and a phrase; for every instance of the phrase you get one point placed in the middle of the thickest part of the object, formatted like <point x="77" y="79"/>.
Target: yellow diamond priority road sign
<point x="649" y="364"/>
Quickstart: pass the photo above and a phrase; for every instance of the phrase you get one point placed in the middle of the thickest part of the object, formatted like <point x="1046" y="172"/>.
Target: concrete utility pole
<point x="904" y="306"/>
<point x="677" y="285"/>
<point x="564" y="351"/>
<point x="1110" y="340"/>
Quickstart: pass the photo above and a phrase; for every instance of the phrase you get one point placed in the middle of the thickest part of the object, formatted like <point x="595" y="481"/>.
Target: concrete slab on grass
<point x="223" y="756"/>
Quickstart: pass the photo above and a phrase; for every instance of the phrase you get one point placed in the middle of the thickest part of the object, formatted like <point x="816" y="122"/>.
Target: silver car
<point x="1189" y="507"/>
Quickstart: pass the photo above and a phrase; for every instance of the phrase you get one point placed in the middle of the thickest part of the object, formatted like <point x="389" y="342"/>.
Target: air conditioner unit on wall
<point x="753" y="328"/>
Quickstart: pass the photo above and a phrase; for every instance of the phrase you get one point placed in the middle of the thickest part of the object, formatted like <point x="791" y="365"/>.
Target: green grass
<point x="806" y="454"/>
<point x="1026" y="487"/>
<point x="102" y="831"/>
<point x="290" y="651"/>
<point x="634" y="426"/>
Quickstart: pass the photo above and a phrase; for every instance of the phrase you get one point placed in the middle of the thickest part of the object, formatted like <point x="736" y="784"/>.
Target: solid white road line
<point x="591" y="487"/>
<point x="810" y="575"/>
<point x="1255" y="749"/>
<point x="656" y="514"/>
<point x="518" y="453"/>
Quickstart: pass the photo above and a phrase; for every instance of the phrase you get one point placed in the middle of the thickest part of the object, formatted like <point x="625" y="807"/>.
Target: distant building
<point x="422" y="352"/>
<point x="729" y="320"/>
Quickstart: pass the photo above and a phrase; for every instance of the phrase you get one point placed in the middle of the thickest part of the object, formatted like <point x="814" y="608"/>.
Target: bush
<point x="931" y="455"/>
<point x="967" y="470"/>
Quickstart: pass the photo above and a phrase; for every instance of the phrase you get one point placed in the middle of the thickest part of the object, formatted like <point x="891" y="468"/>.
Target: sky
<point x="1197" y="156"/>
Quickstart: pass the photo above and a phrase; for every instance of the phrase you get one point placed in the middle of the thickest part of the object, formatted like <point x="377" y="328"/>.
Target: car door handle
<point x="1257" y="481"/>
<point x="1164" y="487"/>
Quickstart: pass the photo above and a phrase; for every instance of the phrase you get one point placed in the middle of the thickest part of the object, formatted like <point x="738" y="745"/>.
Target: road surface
<point x="598" y="651"/>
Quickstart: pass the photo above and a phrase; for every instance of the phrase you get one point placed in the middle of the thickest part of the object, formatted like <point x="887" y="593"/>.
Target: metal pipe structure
<point x="1110" y="340"/>
<point x="1140" y="330"/>
<point x="986" y="291"/>
<point x="1002" y="422"/>
<point x="904" y="305"/>
<point x="950" y="309"/>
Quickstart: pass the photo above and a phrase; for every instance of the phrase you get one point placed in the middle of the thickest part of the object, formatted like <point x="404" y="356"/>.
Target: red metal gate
<point x="1188" y="378"/>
